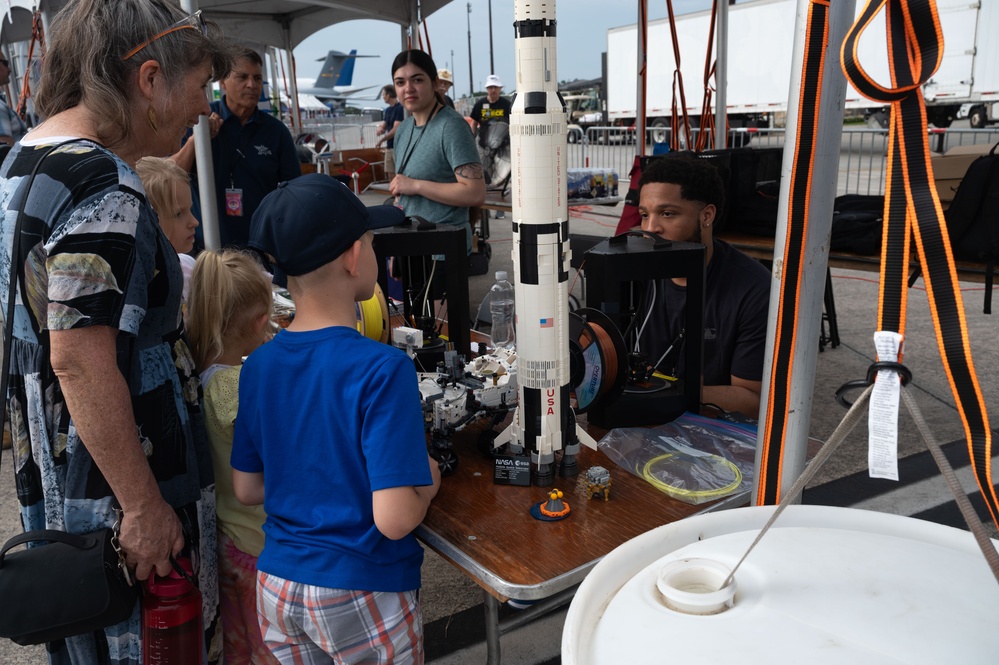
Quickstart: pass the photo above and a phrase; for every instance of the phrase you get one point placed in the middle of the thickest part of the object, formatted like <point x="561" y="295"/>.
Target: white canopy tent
<point x="285" y="23"/>
<point x="306" y="102"/>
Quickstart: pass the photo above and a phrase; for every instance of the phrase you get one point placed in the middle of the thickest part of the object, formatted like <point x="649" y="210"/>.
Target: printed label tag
<point x="234" y="202"/>
<point x="512" y="470"/>
<point x="882" y="412"/>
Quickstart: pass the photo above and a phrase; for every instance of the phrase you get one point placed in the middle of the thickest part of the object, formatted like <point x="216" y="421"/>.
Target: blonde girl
<point x="228" y="317"/>
<point x="169" y="193"/>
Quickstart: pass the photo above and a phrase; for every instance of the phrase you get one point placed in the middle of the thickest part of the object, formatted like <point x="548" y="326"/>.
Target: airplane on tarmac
<point x="334" y="81"/>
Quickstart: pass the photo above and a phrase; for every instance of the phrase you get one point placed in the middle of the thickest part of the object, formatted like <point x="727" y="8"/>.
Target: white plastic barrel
<point x="825" y="585"/>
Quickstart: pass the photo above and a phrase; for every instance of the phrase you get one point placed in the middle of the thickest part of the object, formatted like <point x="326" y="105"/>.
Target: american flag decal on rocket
<point x="547" y="323"/>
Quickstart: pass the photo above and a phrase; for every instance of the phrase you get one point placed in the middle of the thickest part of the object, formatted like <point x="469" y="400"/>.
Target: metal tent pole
<point x="206" y="170"/>
<point x="642" y="83"/>
<point x="272" y="56"/>
<point x="823" y="193"/>
<point x="296" y="114"/>
<point x="721" y="76"/>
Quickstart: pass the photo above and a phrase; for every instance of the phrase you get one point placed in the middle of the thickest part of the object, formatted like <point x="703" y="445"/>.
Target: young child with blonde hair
<point x="228" y="317"/>
<point x="169" y="193"/>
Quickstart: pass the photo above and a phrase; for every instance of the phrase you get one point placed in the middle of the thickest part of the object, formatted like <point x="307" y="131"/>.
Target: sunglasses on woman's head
<point x="195" y="22"/>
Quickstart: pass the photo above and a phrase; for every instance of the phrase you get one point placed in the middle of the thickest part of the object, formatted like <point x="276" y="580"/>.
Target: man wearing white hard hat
<point x="444" y="83"/>
<point x="491" y="108"/>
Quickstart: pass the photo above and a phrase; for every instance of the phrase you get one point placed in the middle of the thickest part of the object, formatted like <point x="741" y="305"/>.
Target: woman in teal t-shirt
<point x="438" y="173"/>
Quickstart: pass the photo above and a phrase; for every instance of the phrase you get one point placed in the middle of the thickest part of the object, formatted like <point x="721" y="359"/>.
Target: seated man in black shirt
<point x="679" y="199"/>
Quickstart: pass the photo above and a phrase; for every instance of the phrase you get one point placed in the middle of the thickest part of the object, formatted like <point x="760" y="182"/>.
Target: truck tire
<point x="660" y="130"/>
<point x="941" y="117"/>
<point x="575" y="134"/>
<point x="978" y="118"/>
<point x="878" y="120"/>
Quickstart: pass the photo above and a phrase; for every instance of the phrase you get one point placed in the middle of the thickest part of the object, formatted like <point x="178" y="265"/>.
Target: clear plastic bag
<point x="693" y="459"/>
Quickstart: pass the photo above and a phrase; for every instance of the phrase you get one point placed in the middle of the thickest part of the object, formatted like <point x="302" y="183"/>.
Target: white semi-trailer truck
<point x="760" y="44"/>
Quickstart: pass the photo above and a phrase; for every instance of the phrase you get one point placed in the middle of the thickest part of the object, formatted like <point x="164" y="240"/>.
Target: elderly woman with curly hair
<point x="103" y="395"/>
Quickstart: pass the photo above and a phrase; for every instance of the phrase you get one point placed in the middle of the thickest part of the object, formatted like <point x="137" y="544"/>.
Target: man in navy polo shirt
<point x="251" y="150"/>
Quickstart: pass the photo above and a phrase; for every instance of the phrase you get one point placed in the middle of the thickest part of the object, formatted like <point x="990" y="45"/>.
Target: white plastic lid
<point x="500" y="275"/>
<point x="825" y="586"/>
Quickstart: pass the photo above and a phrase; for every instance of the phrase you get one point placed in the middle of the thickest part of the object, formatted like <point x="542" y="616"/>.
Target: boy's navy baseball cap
<point x="311" y="220"/>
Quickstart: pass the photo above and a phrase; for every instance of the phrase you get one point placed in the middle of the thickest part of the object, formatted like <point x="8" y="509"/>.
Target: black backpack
<point x="857" y="224"/>
<point x="973" y="218"/>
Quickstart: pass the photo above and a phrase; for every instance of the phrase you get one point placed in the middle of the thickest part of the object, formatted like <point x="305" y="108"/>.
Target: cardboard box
<point x="947" y="188"/>
<point x="972" y="149"/>
<point x="949" y="167"/>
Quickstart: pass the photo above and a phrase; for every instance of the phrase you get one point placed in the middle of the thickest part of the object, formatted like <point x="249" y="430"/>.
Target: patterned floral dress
<point x="93" y="254"/>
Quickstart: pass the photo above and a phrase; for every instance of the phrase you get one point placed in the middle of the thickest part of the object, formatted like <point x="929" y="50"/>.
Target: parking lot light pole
<point x="471" y="84"/>
<point x="492" y="65"/>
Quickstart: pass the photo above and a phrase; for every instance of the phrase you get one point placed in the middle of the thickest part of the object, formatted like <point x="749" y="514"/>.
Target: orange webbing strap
<point x="912" y="210"/>
<point x="37" y="37"/>
<point x="675" y="115"/>
<point x="705" y="135"/>
<point x="782" y="367"/>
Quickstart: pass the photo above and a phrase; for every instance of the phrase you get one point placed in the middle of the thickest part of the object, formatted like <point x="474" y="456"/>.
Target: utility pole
<point x="452" y="68"/>
<point x="471" y="84"/>
<point x="492" y="65"/>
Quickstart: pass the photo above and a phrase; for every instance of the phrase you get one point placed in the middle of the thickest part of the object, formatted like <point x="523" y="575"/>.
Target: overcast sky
<point x="582" y="37"/>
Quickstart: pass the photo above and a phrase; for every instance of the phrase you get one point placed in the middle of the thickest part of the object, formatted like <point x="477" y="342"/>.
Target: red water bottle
<point x="172" y="632"/>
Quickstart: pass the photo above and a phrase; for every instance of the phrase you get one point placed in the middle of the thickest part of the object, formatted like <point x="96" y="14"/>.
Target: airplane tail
<point x="347" y="71"/>
<point x="338" y="70"/>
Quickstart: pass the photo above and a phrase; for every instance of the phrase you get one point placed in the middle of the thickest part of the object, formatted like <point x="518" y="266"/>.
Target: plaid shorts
<point x="306" y="625"/>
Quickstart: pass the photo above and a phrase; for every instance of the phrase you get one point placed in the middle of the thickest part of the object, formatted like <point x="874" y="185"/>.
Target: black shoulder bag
<point x="74" y="584"/>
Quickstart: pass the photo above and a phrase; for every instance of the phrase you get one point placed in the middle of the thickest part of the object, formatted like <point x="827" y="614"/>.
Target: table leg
<point x="492" y="629"/>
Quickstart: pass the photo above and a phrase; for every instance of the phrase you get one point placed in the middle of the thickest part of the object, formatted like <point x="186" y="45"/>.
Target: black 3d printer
<point x="616" y="272"/>
<point x="412" y="244"/>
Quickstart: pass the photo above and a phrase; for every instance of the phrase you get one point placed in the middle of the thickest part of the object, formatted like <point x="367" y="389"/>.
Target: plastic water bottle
<point x="502" y="310"/>
<point x="172" y="633"/>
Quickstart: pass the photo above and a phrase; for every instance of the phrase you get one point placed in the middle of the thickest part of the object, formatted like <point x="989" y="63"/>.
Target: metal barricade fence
<point x="347" y="133"/>
<point x="863" y="151"/>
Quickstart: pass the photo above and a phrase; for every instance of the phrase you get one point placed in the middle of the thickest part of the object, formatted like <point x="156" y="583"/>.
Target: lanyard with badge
<point x="233" y="194"/>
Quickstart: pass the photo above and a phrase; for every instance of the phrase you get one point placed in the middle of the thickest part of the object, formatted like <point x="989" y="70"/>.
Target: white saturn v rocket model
<point x="543" y="422"/>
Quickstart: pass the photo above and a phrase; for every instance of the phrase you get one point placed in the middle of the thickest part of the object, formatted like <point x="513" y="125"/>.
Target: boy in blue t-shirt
<point x="329" y="437"/>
